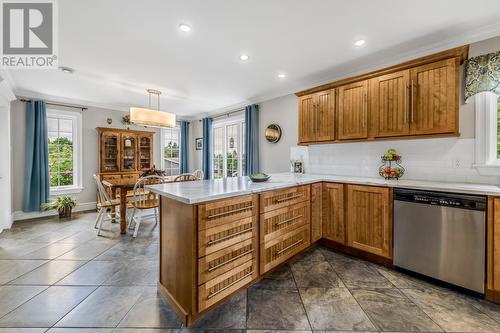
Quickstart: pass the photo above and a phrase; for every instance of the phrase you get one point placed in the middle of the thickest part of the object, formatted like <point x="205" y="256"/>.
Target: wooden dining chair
<point x="107" y="209"/>
<point x="185" y="177"/>
<point x="143" y="200"/>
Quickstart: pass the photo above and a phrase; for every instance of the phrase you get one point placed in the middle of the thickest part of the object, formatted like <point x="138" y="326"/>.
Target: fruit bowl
<point x="391" y="167"/>
<point x="259" y="177"/>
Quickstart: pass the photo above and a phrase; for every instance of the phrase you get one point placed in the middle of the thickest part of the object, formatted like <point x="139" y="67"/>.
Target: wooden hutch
<point x="124" y="153"/>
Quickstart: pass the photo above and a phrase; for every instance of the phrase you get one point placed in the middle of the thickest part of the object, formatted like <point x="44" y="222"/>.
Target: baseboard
<point x="20" y="215"/>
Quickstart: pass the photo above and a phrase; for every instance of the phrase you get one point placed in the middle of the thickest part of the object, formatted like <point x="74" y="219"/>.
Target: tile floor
<point x="59" y="277"/>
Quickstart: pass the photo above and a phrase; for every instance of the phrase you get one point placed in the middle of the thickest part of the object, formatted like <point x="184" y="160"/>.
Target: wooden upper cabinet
<point x="317" y="117"/>
<point x="389" y="105"/>
<point x="333" y="212"/>
<point x="369" y="219"/>
<point x="352" y="111"/>
<point x="325" y="115"/>
<point x="307" y="120"/>
<point x="493" y="249"/>
<point x="434" y="98"/>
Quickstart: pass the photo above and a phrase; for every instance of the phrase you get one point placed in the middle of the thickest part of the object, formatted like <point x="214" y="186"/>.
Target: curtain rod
<point x="57" y="104"/>
<point x="227" y="114"/>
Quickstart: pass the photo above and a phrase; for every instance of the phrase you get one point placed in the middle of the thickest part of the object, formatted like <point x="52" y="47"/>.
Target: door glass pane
<point x="232" y="150"/>
<point x="129" y="146"/>
<point x="218" y="152"/>
<point x="110" y="157"/>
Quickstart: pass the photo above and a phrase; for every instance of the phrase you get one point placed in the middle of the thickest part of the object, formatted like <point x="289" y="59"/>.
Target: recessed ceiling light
<point x="184" y="27"/>
<point x="360" y="42"/>
<point x="281" y="76"/>
<point x="244" y="57"/>
<point x="66" y="70"/>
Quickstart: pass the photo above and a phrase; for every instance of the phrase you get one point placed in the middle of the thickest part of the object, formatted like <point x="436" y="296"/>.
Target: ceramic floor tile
<point x="491" y="309"/>
<point x="50" y="251"/>
<point x="151" y="311"/>
<point x="230" y="315"/>
<point x="386" y="306"/>
<point x="451" y="311"/>
<point x="45" y="309"/>
<point x="135" y="272"/>
<point x="13" y="296"/>
<point x="104" y="308"/>
<point x="310" y="255"/>
<point x="400" y="279"/>
<point x="315" y="274"/>
<point x="21" y="248"/>
<point x="12" y="269"/>
<point x="126" y="251"/>
<point x="334" y="309"/>
<point x="276" y="309"/>
<point x="93" y="273"/>
<point x="23" y="330"/>
<point x="79" y="330"/>
<point x="49" y="273"/>
<point x="280" y="278"/>
<point x="87" y="251"/>
<point x="80" y="237"/>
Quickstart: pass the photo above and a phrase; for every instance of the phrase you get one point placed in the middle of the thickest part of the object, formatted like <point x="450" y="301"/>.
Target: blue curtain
<point x="251" y="139"/>
<point x="184" y="146"/>
<point x="36" y="180"/>
<point x="206" y="153"/>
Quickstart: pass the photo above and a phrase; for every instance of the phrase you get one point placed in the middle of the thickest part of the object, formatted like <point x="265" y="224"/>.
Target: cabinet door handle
<point x="385" y="222"/>
<point x="289" y="247"/>
<point x="213" y="268"/>
<point x="213" y="241"/>
<point x="411" y="101"/>
<point x="230" y="212"/>
<point x="405" y="108"/>
<point x="289" y="198"/>
<point x="215" y="293"/>
<point x="288" y="220"/>
<point x="365" y="102"/>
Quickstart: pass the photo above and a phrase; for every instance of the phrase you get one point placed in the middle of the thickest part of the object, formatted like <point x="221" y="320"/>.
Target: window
<point x="228" y="150"/>
<point x="64" y="130"/>
<point x="487" y="150"/>
<point x="170" y="146"/>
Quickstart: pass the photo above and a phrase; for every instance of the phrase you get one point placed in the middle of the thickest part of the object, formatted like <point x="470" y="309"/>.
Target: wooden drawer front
<point x="283" y="220"/>
<point x="224" y="211"/>
<point x="133" y="176"/>
<point x="111" y="177"/>
<point x="217" y="238"/>
<point x="284" y="247"/>
<point x="226" y="259"/>
<point x="282" y="198"/>
<point x="226" y="284"/>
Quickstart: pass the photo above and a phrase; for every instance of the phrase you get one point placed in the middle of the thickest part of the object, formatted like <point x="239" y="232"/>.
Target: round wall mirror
<point x="273" y="133"/>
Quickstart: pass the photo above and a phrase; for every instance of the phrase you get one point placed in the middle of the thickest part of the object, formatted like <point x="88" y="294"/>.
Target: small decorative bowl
<point x="259" y="177"/>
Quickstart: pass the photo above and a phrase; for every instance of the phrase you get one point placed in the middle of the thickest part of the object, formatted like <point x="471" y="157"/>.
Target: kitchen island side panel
<point x="177" y="281"/>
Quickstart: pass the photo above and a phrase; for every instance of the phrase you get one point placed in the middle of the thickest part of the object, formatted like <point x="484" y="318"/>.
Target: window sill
<point x="67" y="190"/>
<point x="488" y="169"/>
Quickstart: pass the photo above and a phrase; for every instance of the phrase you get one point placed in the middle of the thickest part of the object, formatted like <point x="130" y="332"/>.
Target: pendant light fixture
<point x="150" y="117"/>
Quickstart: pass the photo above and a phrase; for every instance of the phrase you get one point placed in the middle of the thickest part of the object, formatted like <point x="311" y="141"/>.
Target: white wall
<point x="5" y="169"/>
<point x="91" y="118"/>
<point x="195" y="131"/>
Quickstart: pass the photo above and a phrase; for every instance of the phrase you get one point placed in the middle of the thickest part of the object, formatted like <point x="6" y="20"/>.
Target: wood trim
<point x="461" y="52"/>
<point x="121" y="130"/>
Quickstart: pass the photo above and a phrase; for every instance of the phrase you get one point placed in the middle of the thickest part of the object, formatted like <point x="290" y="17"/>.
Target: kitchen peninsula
<point x="219" y="236"/>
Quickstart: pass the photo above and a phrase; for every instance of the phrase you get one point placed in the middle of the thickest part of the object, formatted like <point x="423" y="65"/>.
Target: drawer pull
<point x="215" y="293"/>
<point x="230" y="212"/>
<point x="213" y="268"/>
<point x="289" y="247"/>
<point x="213" y="241"/>
<point x="288" y="220"/>
<point x="289" y="198"/>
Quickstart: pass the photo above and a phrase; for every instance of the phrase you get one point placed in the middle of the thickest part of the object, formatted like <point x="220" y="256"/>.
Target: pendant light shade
<point x="151" y="117"/>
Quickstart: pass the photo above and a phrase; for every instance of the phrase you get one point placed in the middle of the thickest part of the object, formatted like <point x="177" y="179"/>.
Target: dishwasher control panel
<point x="473" y="202"/>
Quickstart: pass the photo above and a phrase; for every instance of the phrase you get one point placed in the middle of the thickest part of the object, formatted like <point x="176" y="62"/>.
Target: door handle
<point x="412" y="102"/>
<point x="405" y="109"/>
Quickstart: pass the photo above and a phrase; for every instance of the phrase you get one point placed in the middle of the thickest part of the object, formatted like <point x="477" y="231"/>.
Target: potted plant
<point x="63" y="204"/>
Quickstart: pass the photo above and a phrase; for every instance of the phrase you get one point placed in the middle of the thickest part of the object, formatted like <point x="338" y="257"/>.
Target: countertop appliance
<point x="441" y="235"/>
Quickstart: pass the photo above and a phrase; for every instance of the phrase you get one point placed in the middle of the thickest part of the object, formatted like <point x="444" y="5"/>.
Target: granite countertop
<point x="208" y="190"/>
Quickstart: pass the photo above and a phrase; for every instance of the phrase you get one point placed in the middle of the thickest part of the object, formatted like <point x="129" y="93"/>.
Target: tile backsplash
<point x="446" y="159"/>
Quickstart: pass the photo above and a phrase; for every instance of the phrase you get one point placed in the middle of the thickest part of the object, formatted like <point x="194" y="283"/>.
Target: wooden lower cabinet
<point x="369" y="219"/>
<point x="316" y="212"/>
<point x="333" y="212"/>
<point x="493" y="250"/>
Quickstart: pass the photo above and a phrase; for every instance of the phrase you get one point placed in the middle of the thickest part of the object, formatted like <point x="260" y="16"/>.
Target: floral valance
<point x="482" y="74"/>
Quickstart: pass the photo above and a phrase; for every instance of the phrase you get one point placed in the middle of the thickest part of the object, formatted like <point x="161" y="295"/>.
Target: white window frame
<point x="162" y="147"/>
<point x="485" y="107"/>
<point x="224" y="122"/>
<point x="77" y="186"/>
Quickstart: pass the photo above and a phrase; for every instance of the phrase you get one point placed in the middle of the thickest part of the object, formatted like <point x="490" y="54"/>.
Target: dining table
<point x="124" y="185"/>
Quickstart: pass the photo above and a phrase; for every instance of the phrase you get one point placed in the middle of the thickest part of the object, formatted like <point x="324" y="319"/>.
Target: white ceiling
<point x="120" y="48"/>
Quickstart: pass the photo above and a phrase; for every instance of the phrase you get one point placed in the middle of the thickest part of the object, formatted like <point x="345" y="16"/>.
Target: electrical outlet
<point x="458" y="163"/>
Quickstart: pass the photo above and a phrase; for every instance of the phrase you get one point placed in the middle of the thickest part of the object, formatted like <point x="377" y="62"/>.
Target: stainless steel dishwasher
<point x="441" y="235"/>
